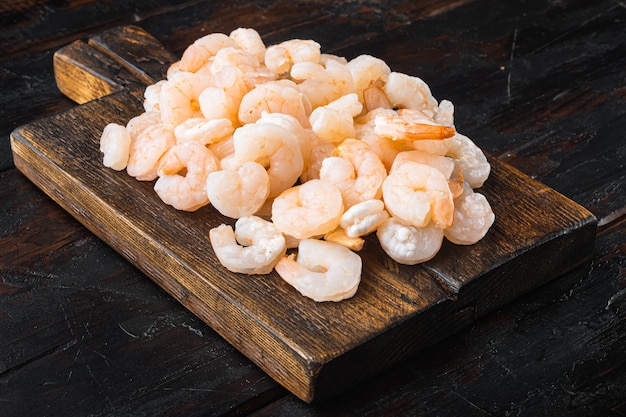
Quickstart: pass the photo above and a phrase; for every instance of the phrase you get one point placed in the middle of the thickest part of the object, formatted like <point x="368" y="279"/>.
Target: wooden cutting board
<point x="316" y="350"/>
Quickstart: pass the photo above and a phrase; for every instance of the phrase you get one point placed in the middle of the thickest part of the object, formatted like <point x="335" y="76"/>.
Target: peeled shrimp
<point x="282" y="56"/>
<point x="407" y="244"/>
<point x="147" y="149"/>
<point x="139" y="123"/>
<point x="365" y="70"/>
<point x="238" y="193"/>
<point x="179" y="97"/>
<point x="406" y="91"/>
<point x="250" y="41"/>
<point x="202" y="50"/>
<point x="442" y="163"/>
<point x="203" y="131"/>
<point x="363" y="218"/>
<point x="115" y="145"/>
<point x="281" y="96"/>
<point x="416" y="194"/>
<point x="274" y="147"/>
<point x="470" y="159"/>
<point x="356" y="171"/>
<point x="473" y="217"/>
<point x="308" y="210"/>
<point x="254" y="247"/>
<point x="185" y="191"/>
<point x="322" y="271"/>
<point x="325" y="83"/>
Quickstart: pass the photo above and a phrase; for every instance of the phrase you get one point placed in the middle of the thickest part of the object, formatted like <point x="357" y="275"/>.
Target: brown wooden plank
<point x="306" y="346"/>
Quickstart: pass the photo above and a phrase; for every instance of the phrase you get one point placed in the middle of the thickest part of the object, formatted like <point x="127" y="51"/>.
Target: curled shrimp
<point x="323" y="84"/>
<point x="280" y="96"/>
<point x="308" y="210"/>
<point x="250" y="41"/>
<point x="179" y="97"/>
<point x="335" y="121"/>
<point x="254" y="247"/>
<point x="139" y="123"/>
<point x="240" y="192"/>
<point x="115" y="145"/>
<point x="367" y="72"/>
<point x="183" y="171"/>
<point x="442" y="163"/>
<point x="473" y="217"/>
<point x="409" y="92"/>
<point x="282" y="56"/>
<point x="363" y="218"/>
<point x="356" y="171"/>
<point x="203" y="131"/>
<point x="470" y="159"/>
<point x="407" y="244"/>
<point x="272" y="146"/>
<point x="322" y="271"/>
<point x="202" y="50"/>
<point x="332" y="125"/>
<point x="416" y="193"/>
<point x="147" y="149"/>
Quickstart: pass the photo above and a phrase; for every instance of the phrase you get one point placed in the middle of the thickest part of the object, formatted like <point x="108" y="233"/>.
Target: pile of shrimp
<point x="308" y="153"/>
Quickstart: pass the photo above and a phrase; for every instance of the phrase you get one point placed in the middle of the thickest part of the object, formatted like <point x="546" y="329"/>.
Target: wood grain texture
<point x="306" y="346"/>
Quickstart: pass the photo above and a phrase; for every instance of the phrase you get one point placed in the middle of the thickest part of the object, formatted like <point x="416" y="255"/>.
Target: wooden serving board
<point x="316" y="350"/>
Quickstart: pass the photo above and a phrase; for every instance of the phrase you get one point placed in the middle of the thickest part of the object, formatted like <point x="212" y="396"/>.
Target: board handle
<point x="119" y="58"/>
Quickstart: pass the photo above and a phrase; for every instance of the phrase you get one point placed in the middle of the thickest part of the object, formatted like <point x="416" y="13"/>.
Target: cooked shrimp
<point x="179" y="97"/>
<point x="281" y="96"/>
<point x="319" y="151"/>
<point x="254" y="247"/>
<point x="274" y="147"/>
<point x="444" y="164"/>
<point x="356" y="171"/>
<point x="139" y="123"/>
<point x="238" y="193"/>
<point x="152" y="96"/>
<point x="410" y="127"/>
<point x="473" y="217"/>
<point x="322" y="271"/>
<point x="203" y="131"/>
<point x="366" y="71"/>
<point x="406" y="91"/>
<point x="470" y="159"/>
<point x="363" y="218"/>
<point x="308" y="210"/>
<point x="234" y="57"/>
<point x="332" y="125"/>
<point x="416" y="194"/>
<point x="306" y="138"/>
<point x="250" y="41"/>
<point x="327" y="83"/>
<point x="282" y="56"/>
<point x="115" y="145"/>
<point x="147" y="149"/>
<point x="202" y="50"/>
<point x="407" y="244"/>
<point x="183" y="171"/>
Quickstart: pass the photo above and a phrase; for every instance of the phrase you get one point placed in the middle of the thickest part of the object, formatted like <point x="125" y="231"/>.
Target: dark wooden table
<point x="540" y="85"/>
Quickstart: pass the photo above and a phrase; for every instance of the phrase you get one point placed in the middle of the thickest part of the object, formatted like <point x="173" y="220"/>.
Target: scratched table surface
<point x="539" y="85"/>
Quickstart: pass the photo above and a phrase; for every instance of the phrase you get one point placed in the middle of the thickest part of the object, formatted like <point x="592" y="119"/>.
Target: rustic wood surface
<point x="540" y="85"/>
<point x="305" y="346"/>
